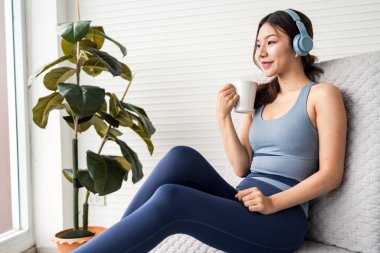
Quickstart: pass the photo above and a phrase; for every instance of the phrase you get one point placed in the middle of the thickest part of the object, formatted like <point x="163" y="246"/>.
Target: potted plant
<point x="87" y="106"/>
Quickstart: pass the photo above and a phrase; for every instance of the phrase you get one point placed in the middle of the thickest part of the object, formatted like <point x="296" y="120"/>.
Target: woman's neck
<point x="291" y="83"/>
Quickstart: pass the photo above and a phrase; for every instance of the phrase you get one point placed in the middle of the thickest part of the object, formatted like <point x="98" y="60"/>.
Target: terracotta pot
<point x="68" y="245"/>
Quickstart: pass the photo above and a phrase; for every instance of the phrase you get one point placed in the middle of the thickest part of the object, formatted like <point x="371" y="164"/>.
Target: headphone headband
<point x="297" y="19"/>
<point x="302" y="43"/>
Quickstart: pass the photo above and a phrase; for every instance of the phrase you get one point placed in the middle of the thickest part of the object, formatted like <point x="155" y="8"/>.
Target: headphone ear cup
<point x="306" y="44"/>
<point x="302" y="45"/>
<point x="296" y="46"/>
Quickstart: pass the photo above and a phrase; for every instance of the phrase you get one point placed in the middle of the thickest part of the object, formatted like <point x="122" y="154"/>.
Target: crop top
<point x="287" y="146"/>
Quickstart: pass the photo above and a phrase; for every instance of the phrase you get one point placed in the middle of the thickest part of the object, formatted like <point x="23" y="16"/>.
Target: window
<point x="5" y="186"/>
<point x="15" y="212"/>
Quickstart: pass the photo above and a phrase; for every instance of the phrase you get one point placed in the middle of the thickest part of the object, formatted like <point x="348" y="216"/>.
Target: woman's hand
<point x="256" y="201"/>
<point x="226" y="100"/>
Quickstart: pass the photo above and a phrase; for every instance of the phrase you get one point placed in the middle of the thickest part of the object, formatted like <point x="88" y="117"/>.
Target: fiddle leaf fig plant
<point x="89" y="106"/>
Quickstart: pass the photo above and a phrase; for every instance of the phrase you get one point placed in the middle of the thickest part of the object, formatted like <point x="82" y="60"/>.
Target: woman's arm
<point x="332" y="129"/>
<point x="238" y="152"/>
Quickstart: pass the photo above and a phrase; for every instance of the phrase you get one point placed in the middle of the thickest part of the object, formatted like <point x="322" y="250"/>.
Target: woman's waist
<point x="280" y="181"/>
<point x="287" y="167"/>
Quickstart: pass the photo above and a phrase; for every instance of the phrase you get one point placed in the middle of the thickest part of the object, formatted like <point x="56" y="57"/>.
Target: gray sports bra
<point x="287" y="146"/>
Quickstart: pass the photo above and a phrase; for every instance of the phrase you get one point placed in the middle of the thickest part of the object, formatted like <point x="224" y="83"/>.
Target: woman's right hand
<point x="226" y="100"/>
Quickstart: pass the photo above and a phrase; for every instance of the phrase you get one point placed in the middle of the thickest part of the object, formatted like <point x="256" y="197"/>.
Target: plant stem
<point x="126" y="90"/>
<point x="78" y="47"/>
<point x="75" y="143"/>
<point x="75" y="182"/>
<point x="104" y="139"/>
<point x="78" y="13"/>
<point x="85" y="211"/>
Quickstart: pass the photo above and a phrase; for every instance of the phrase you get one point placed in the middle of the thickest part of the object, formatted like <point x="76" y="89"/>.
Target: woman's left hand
<point x="256" y="201"/>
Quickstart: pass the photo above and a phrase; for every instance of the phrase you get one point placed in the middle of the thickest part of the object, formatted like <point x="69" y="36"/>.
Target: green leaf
<point x="49" y="65"/>
<point x="142" y="118"/>
<point x="106" y="172"/>
<point x="113" y="133"/>
<point x="126" y="73"/>
<point x="92" y="35"/>
<point x="84" y="100"/>
<point x="100" y="126"/>
<point x="70" y="49"/>
<point x="67" y="49"/>
<point x="118" y="111"/>
<point x="76" y="234"/>
<point x="104" y="106"/>
<point x="43" y="107"/>
<point x="83" y="123"/>
<point x="141" y="131"/>
<point x="73" y="31"/>
<point x="86" y="180"/>
<point x="68" y="109"/>
<point x="57" y="75"/>
<point x="94" y="66"/>
<point x="108" y="61"/>
<point x="132" y="158"/>
<point x="124" y="163"/>
<point x="122" y="48"/>
<point x="109" y="119"/>
<point x="68" y="173"/>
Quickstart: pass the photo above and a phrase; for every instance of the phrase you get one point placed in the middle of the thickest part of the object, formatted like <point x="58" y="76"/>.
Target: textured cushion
<point x="346" y="219"/>
<point x="181" y="243"/>
<point x="349" y="216"/>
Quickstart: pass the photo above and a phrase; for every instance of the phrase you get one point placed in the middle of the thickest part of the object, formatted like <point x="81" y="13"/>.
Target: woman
<point x="296" y="123"/>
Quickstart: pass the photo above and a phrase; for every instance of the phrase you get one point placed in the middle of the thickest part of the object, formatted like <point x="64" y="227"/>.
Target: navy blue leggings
<point x="184" y="194"/>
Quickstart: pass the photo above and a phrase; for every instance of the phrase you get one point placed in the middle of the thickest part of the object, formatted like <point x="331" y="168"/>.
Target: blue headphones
<point x="302" y="42"/>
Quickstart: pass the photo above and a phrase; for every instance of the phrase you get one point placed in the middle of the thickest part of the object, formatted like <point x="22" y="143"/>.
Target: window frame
<point x="21" y="237"/>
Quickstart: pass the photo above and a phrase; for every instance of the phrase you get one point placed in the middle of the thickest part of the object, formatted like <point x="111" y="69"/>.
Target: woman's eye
<point x="271" y="42"/>
<point x="258" y="46"/>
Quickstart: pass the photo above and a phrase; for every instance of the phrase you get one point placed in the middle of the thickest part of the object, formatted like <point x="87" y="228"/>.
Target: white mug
<point x="247" y="93"/>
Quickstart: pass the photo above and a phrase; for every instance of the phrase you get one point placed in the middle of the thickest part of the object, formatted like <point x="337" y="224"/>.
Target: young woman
<point x="291" y="150"/>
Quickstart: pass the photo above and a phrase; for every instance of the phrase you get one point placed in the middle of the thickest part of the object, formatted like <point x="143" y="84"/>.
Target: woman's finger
<point x="226" y="87"/>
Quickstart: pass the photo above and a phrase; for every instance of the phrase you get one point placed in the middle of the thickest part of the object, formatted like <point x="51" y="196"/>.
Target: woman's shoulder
<point x="325" y="93"/>
<point x="325" y="90"/>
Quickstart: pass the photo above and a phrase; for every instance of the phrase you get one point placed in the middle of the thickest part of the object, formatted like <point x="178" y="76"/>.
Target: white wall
<point x="51" y="198"/>
<point x="182" y="52"/>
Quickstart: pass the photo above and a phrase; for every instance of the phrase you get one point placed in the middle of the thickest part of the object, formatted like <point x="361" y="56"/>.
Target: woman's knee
<point x="183" y="158"/>
<point x="183" y="151"/>
<point x="166" y="197"/>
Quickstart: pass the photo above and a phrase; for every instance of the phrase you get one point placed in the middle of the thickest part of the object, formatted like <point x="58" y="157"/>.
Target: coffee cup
<point x="247" y="93"/>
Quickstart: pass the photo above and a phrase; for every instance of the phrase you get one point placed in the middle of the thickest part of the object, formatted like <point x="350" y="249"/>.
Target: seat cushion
<point x="181" y="243"/>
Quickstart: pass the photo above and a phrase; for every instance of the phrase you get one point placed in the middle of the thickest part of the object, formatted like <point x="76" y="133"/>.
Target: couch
<point x="346" y="219"/>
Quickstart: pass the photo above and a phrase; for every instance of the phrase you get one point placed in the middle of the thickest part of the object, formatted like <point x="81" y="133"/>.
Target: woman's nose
<point x="262" y="51"/>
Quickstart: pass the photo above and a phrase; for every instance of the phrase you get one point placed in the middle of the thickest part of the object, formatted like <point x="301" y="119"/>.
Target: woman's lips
<point x="266" y="64"/>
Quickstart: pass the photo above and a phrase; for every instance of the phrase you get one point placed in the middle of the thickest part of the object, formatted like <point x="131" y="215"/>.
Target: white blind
<point x="183" y="51"/>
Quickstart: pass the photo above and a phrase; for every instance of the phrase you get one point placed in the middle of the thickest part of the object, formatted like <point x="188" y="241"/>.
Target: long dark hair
<point x="267" y="92"/>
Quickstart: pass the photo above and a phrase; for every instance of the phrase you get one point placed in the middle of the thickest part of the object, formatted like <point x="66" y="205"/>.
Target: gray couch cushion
<point x="181" y="243"/>
<point x="315" y="247"/>
<point x="349" y="216"/>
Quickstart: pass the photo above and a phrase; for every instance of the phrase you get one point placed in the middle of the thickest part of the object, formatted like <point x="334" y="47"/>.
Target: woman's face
<point x="273" y="51"/>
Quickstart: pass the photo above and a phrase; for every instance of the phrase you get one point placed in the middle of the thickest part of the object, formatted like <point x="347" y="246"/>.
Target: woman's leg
<point x="184" y="166"/>
<point x="219" y="222"/>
